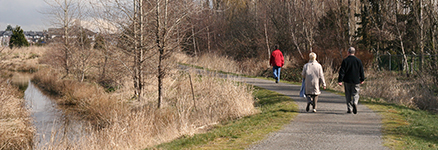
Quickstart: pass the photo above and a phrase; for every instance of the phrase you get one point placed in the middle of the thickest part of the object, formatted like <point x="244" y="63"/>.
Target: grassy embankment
<point x="16" y="130"/>
<point x="276" y="111"/>
<point x="123" y="123"/>
<point x="404" y="125"/>
<point x="126" y="124"/>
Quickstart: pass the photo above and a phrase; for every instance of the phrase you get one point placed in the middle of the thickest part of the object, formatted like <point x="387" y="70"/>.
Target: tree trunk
<point x="66" y="35"/>
<point x="421" y="23"/>
<point x="400" y="37"/>
<point x="267" y="43"/>
<point x="135" y="48"/>
<point x="160" y="33"/>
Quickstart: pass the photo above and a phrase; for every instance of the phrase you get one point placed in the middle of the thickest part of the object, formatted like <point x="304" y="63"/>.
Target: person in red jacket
<point x="276" y="61"/>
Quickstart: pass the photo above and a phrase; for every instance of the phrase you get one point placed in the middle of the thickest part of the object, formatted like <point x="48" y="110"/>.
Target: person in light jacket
<point x="313" y="76"/>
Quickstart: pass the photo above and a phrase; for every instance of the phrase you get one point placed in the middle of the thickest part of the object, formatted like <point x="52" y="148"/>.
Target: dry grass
<point x="129" y="124"/>
<point x="16" y="131"/>
<point x="415" y="92"/>
<point x="21" y="59"/>
<point x="215" y="62"/>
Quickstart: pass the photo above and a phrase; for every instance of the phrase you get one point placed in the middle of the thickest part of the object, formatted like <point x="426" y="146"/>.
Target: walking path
<point x="329" y="128"/>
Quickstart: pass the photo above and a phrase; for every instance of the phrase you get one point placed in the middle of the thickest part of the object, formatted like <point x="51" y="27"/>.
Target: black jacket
<point x="351" y="70"/>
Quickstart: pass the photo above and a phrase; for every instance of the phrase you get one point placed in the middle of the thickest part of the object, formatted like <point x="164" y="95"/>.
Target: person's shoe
<point x="314" y="110"/>
<point x="354" y="109"/>
<point x="276" y="81"/>
<point x="307" y="107"/>
<point x="349" y="111"/>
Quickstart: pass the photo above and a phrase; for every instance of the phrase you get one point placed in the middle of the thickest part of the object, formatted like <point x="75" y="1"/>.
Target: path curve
<point x="329" y="128"/>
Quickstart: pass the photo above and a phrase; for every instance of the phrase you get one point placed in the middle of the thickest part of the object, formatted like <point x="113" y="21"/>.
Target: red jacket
<point x="277" y="58"/>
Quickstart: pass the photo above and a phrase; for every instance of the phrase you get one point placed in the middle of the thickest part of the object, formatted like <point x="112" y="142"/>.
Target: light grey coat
<point x="314" y="77"/>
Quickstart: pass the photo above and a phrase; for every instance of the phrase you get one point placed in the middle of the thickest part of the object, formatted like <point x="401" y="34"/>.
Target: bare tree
<point x="150" y="30"/>
<point x="127" y="19"/>
<point x="83" y="50"/>
<point x="398" y="26"/>
<point x="418" y="7"/>
<point x="62" y="14"/>
<point x="169" y="18"/>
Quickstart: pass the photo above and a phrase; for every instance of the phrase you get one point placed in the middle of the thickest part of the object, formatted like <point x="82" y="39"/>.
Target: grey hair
<point x="352" y="50"/>
<point x="312" y="56"/>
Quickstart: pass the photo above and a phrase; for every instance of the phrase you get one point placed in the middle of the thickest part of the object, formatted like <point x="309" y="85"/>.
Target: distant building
<point x="74" y="32"/>
<point x="4" y="38"/>
<point x="35" y="36"/>
<point x="51" y="35"/>
<point x="31" y="36"/>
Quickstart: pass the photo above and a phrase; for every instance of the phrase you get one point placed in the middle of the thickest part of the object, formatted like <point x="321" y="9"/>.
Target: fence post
<point x="412" y="64"/>
<point x="390" y="62"/>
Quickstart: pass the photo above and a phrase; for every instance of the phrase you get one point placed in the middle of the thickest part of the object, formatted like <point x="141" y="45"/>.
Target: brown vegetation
<point x="21" y="59"/>
<point x="124" y="123"/>
<point x="418" y="91"/>
<point x="16" y="131"/>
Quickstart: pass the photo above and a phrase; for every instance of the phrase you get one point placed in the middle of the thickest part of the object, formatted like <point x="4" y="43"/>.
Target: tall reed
<point x="23" y="59"/>
<point x="226" y="64"/>
<point x="16" y="131"/>
<point x="124" y="123"/>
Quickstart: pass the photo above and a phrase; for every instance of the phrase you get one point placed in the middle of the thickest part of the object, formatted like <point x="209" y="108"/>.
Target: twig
<point x="193" y="91"/>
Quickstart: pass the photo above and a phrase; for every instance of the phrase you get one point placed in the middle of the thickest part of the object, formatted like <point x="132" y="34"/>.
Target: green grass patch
<point x="406" y="128"/>
<point x="276" y="110"/>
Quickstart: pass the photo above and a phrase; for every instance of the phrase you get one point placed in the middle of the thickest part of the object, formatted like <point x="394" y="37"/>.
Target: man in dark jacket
<point x="351" y="73"/>
<point x="276" y="61"/>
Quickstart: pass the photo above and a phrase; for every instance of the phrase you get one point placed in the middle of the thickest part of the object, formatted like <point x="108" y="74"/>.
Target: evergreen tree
<point x="17" y="38"/>
<point x="9" y="28"/>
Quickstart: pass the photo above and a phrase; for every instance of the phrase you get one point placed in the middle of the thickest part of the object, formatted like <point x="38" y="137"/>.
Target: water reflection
<point x="53" y="125"/>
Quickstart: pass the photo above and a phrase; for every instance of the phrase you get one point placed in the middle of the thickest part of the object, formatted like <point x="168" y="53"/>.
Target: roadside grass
<point x="404" y="127"/>
<point x="276" y="111"/>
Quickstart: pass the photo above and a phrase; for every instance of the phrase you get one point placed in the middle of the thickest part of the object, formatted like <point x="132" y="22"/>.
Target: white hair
<point x="312" y="56"/>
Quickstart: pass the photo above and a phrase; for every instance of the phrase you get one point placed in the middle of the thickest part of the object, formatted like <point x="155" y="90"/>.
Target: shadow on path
<point x="329" y="128"/>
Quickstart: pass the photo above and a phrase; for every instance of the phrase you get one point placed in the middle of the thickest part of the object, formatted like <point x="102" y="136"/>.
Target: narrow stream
<point x="53" y="125"/>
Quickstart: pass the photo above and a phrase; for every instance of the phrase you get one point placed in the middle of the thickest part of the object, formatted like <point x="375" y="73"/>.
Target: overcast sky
<point x="24" y="13"/>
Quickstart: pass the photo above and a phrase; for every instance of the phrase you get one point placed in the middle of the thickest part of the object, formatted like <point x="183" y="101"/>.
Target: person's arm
<point x="321" y="72"/>
<point x="361" y="73"/>
<point x="341" y="73"/>
<point x="282" y="59"/>
<point x="303" y="73"/>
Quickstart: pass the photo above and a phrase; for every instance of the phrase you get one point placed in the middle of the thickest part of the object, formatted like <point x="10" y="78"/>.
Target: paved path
<point x="328" y="129"/>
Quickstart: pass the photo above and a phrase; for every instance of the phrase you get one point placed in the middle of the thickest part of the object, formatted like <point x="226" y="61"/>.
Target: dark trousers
<point x="312" y="99"/>
<point x="351" y="94"/>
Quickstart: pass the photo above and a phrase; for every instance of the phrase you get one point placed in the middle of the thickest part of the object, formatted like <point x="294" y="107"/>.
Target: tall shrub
<point x="17" y="38"/>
